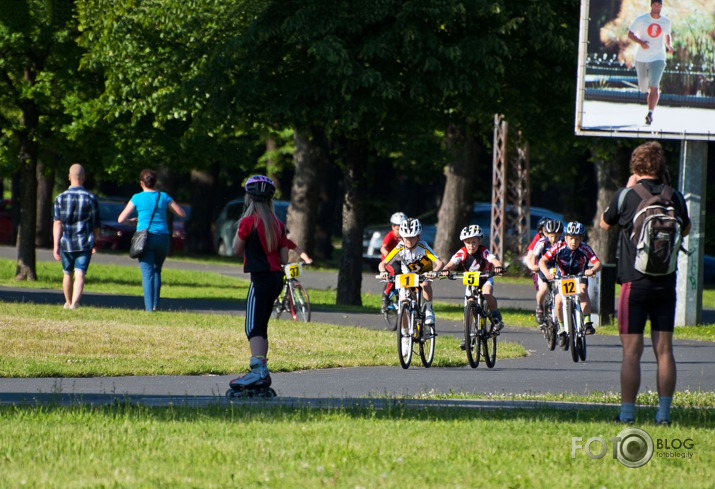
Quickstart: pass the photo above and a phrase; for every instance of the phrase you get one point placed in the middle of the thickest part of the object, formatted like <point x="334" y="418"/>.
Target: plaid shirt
<point x="78" y="211"/>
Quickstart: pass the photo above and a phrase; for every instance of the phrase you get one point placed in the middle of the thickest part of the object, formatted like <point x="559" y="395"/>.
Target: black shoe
<point x="663" y="422"/>
<point x="649" y="118"/>
<point x="589" y="328"/>
<point x="539" y="316"/>
<point x="618" y="420"/>
<point x="563" y="340"/>
<point x="463" y="345"/>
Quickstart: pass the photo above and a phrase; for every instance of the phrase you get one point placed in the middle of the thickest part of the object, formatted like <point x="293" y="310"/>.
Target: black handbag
<point x="140" y="237"/>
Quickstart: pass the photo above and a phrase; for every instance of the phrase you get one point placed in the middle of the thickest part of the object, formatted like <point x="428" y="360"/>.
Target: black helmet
<point x="260" y="188"/>
<point x="542" y="222"/>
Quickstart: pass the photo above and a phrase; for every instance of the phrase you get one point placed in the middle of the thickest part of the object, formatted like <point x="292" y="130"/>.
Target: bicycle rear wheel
<point x="427" y="339"/>
<point x="405" y="323"/>
<point x="471" y="335"/>
<point x="390" y="314"/>
<point x="300" y="306"/>
<point x="489" y="342"/>
<point x="550" y="327"/>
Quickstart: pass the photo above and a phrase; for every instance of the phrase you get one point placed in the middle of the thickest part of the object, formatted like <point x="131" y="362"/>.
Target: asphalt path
<point x="542" y="371"/>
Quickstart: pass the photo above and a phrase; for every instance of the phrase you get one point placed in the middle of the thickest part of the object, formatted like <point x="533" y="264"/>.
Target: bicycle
<point x="569" y="287"/>
<point x="410" y="319"/>
<point x="550" y="323"/>
<point x="389" y="312"/>
<point x="294" y="298"/>
<point x="477" y="334"/>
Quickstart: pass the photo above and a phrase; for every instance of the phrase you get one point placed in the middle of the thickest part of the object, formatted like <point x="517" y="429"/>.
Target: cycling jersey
<point x="479" y="261"/>
<point x="541" y="247"/>
<point x="571" y="262"/>
<point x="417" y="260"/>
<point x="536" y="239"/>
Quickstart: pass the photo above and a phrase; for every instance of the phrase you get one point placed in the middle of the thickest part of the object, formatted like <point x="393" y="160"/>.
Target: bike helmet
<point x="472" y="231"/>
<point x="542" y="222"/>
<point x="575" y="228"/>
<point x="397" y="218"/>
<point x="410" y="227"/>
<point x="260" y="188"/>
<point x="553" y="226"/>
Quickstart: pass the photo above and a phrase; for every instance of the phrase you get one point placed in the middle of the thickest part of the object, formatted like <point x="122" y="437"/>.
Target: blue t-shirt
<point x="145" y="202"/>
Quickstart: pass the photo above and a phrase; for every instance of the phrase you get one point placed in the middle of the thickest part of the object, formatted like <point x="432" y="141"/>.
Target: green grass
<point x="127" y="446"/>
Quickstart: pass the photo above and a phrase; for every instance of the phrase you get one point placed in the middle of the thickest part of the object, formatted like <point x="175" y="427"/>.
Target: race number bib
<point x="407" y="280"/>
<point x="294" y="270"/>
<point x="570" y="286"/>
<point x="471" y="278"/>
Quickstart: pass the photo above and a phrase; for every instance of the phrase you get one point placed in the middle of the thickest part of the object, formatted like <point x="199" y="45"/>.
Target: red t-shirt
<point x="390" y="242"/>
<point x="257" y="257"/>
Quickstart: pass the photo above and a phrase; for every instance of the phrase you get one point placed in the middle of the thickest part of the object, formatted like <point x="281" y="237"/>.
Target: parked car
<point x="178" y="235"/>
<point x="481" y="215"/>
<point x="227" y="223"/>
<point x="112" y="234"/>
<point x="6" y="221"/>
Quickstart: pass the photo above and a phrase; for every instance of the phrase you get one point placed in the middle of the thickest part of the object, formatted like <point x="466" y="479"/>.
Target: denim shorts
<point x="75" y="260"/>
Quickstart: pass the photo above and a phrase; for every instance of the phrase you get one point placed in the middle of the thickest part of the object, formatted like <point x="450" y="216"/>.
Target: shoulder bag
<point x="140" y="237"/>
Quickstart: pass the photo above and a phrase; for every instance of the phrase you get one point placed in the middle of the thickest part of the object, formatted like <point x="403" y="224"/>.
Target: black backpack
<point x="656" y="233"/>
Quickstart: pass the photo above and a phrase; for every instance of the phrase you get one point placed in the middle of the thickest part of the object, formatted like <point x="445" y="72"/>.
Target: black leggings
<point x="265" y="288"/>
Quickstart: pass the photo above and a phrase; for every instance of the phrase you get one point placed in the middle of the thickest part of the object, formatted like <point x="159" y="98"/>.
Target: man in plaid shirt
<point x="75" y="230"/>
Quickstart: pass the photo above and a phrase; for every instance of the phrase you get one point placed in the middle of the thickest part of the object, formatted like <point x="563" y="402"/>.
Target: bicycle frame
<point x="294" y="297"/>
<point x="477" y="335"/>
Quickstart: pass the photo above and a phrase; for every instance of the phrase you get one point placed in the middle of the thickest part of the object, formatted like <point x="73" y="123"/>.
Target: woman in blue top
<point x="157" y="246"/>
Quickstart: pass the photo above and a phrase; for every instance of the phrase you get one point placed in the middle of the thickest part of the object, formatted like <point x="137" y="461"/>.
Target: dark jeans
<point x="150" y="263"/>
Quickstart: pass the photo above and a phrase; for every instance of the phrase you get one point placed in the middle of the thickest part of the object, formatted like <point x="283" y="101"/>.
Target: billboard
<point x="619" y="76"/>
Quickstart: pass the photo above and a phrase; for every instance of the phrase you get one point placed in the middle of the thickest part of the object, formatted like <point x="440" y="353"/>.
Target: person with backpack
<point x="652" y="218"/>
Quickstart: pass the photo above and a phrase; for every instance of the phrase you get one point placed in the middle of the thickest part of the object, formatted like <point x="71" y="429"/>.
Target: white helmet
<point x="410" y="227"/>
<point x="397" y="218"/>
<point x="472" y="231"/>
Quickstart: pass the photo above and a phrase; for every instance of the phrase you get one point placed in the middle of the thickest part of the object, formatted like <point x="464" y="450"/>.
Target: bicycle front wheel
<point x="571" y="314"/>
<point x="489" y="343"/>
<point x="471" y="335"/>
<point x="550" y="327"/>
<point x="405" y="326"/>
<point x="427" y="339"/>
<point x="300" y="306"/>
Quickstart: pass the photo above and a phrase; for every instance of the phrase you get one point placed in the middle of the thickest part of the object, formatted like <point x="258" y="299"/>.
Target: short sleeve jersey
<point x="536" y="239"/>
<point x="479" y="261"/>
<point x="390" y="242"/>
<point x="417" y="260"/>
<point x="654" y="31"/>
<point x="571" y="262"/>
<point x="541" y="247"/>
<point x="621" y="211"/>
<point x="257" y="257"/>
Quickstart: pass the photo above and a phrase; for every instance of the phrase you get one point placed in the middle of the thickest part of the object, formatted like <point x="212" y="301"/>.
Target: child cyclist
<point x="530" y="249"/>
<point x="416" y="256"/>
<point x="392" y="239"/>
<point x="477" y="258"/>
<point x="572" y="257"/>
<point x="552" y="235"/>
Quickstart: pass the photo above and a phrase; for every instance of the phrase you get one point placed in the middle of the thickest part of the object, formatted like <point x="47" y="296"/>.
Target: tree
<point x="38" y="90"/>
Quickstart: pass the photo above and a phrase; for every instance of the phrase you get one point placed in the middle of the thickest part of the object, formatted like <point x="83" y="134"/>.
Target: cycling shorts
<point x="638" y="304"/>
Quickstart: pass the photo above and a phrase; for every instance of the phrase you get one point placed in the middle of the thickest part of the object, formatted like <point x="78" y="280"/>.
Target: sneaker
<point x="463" y="344"/>
<point x="539" y="315"/>
<point x="663" y="422"/>
<point x="589" y="328"/>
<point x="498" y="323"/>
<point x="618" y="420"/>
<point x="649" y="118"/>
<point x="563" y="340"/>
<point x="429" y="316"/>
<point x="406" y="345"/>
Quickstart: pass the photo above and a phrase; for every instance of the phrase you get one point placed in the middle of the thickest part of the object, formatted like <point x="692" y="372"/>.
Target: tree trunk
<point x="456" y="204"/>
<point x="45" y="186"/>
<point x="198" y="231"/>
<point x="610" y="160"/>
<point x="328" y="214"/>
<point x="304" y="193"/>
<point x="350" y="271"/>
